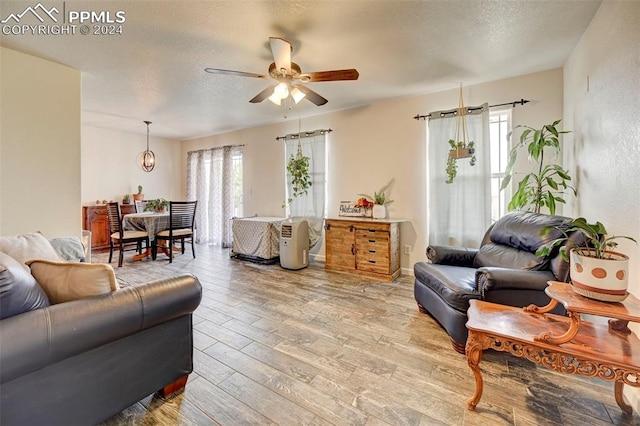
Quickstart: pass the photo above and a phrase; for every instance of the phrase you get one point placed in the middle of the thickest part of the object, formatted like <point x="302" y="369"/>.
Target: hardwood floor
<point x="273" y="346"/>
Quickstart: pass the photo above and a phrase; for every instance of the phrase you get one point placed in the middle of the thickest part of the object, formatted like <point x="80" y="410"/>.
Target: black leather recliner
<point x="503" y="270"/>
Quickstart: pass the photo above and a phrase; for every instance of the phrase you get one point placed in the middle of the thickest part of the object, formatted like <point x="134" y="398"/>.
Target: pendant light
<point x="147" y="157"/>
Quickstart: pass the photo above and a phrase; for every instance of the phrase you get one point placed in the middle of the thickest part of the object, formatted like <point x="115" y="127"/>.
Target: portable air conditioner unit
<point x="294" y="244"/>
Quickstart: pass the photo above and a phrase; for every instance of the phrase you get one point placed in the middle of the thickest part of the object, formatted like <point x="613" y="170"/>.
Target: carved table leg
<point x="474" y="356"/>
<point x="617" y="391"/>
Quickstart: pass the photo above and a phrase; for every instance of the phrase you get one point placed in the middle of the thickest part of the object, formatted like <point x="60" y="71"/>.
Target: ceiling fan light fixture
<point x="281" y="91"/>
<point x="275" y="99"/>
<point x="297" y="95"/>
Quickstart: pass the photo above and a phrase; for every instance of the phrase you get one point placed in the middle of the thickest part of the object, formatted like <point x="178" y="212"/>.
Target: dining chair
<point x="181" y="224"/>
<point x="140" y="205"/>
<point x="125" y="240"/>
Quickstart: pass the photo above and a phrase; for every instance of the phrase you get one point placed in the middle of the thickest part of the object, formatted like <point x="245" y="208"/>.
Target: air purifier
<point x="294" y="244"/>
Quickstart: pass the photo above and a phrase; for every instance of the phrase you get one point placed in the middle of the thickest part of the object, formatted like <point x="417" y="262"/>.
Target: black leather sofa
<point x="80" y="362"/>
<point x="503" y="270"/>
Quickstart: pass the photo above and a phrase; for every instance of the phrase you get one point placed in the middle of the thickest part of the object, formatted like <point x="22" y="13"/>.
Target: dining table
<point x="150" y="222"/>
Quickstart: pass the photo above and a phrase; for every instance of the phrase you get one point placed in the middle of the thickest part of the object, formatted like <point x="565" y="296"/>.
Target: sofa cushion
<point x="514" y="239"/>
<point x="493" y="254"/>
<point x="69" y="248"/>
<point x="65" y="281"/>
<point x="454" y="284"/>
<point x="19" y="291"/>
<point x="28" y="246"/>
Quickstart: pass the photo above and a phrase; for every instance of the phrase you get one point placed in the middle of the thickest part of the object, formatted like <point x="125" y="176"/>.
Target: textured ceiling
<point x="155" y="69"/>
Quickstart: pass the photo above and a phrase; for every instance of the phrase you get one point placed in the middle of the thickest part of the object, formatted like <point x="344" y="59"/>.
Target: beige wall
<point x="602" y="102"/>
<point x="109" y="168"/>
<point x="39" y="146"/>
<point x="371" y="145"/>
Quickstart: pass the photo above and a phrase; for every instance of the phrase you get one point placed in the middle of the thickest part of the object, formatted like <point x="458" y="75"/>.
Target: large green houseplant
<point x="546" y="184"/>
<point x="596" y="271"/>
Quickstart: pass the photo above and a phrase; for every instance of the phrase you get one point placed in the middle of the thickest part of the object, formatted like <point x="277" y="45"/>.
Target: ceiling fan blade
<point x="236" y="73"/>
<point x="263" y="95"/>
<point x="281" y="50"/>
<point x="311" y="95"/>
<point x="336" y="75"/>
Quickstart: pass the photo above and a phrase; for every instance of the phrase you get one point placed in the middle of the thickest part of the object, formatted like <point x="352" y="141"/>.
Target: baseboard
<point x="407" y="271"/>
<point x="317" y="258"/>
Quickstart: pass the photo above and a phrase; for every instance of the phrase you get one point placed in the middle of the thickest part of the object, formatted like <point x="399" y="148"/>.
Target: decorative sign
<point x="348" y="208"/>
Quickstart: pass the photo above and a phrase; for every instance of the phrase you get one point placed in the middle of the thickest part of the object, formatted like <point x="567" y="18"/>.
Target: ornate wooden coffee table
<point x="565" y="344"/>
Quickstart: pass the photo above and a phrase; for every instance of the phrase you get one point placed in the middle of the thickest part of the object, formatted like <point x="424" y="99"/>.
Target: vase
<point x="600" y="279"/>
<point x="379" y="211"/>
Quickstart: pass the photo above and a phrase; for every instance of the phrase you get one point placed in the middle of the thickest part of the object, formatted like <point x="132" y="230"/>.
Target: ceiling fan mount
<point x="289" y="77"/>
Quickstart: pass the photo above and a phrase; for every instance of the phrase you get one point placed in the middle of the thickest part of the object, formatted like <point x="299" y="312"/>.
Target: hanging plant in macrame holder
<point x="460" y="147"/>
<point x="298" y="168"/>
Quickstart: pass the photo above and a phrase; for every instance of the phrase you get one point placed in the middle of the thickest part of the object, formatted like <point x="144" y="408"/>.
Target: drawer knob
<point x="372" y="251"/>
<point x="372" y="261"/>
<point x="372" y="241"/>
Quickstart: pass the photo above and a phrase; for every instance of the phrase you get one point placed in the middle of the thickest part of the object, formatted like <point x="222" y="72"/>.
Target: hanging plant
<point x="460" y="147"/>
<point x="459" y="150"/>
<point x="298" y="169"/>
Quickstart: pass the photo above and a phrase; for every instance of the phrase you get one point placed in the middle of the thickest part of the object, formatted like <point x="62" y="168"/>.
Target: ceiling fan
<point x="289" y="77"/>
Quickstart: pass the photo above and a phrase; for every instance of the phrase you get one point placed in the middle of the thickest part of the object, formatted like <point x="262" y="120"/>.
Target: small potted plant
<point x="457" y="151"/>
<point x="126" y="199"/>
<point x="596" y="271"/>
<point x="139" y="196"/>
<point x="158" y="205"/>
<point x="380" y="200"/>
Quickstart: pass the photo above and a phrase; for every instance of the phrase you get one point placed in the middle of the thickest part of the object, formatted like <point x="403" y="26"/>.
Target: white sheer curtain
<point x="310" y="206"/>
<point x="210" y="181"/>
<point x="460" y="212"/>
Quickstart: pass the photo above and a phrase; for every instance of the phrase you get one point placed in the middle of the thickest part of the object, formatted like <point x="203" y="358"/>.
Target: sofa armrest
<point x="490" y="278"/>
<point x="45" y="336"/>
<point x="445" y="255"/>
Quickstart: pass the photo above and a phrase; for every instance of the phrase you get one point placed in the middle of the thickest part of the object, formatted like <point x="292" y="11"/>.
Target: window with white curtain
<point x="214" y="179"/>
<point x="459" y="213"/>
<point x="311" y="206"/>
<point x="499" y="128"/>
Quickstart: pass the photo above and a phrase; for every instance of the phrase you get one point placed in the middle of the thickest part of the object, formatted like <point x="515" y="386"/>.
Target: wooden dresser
<point x="363" y="246"/>
<point x="94" y="219"/>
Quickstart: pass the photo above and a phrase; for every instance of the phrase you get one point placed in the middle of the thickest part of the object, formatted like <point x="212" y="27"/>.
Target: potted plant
<point x="596" y="271"/>
<point x="545" y="186"/>
<point x="380" y="200"/>
<point x="159" y="205"/>
<point x="139" y="196"/>
<point x="126" y="199"/>
<point x="298" y="169"/>
<point x="459" y="150"/>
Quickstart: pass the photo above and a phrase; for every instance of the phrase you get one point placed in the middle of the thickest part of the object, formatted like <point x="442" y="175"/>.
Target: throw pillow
<point x="69" y="248"/>
<point x="28" y="246"/>
<point x="19" y="291"/>
<point x="66" y="281"/>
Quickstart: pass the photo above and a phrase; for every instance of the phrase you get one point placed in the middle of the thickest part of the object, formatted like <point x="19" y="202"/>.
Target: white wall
<point x="371" y="145"/>
<point x="602" y="103"/>
<point x="109" y="168"/>
<point x="39" y="146"/>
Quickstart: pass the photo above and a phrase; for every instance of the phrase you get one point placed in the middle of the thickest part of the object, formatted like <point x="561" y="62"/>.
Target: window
<point x="236" y="183"/>
<point x="499" y="127"/>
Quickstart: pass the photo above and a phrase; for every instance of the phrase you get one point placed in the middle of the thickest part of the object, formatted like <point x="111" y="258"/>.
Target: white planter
<point x="379" y="211"/>
<point x="601" y="279"/>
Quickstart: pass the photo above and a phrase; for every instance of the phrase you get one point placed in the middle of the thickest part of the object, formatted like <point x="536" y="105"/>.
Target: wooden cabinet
<point x="94" y="219"/>
<point x="363" y="246"/>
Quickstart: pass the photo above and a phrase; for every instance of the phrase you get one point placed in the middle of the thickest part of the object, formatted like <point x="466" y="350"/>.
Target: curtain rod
<point x="513" y="105"/>
<point x="304" y="134"/>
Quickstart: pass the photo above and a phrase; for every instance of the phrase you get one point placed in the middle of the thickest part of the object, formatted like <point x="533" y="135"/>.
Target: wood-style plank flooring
<point x="311" y="347"/>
